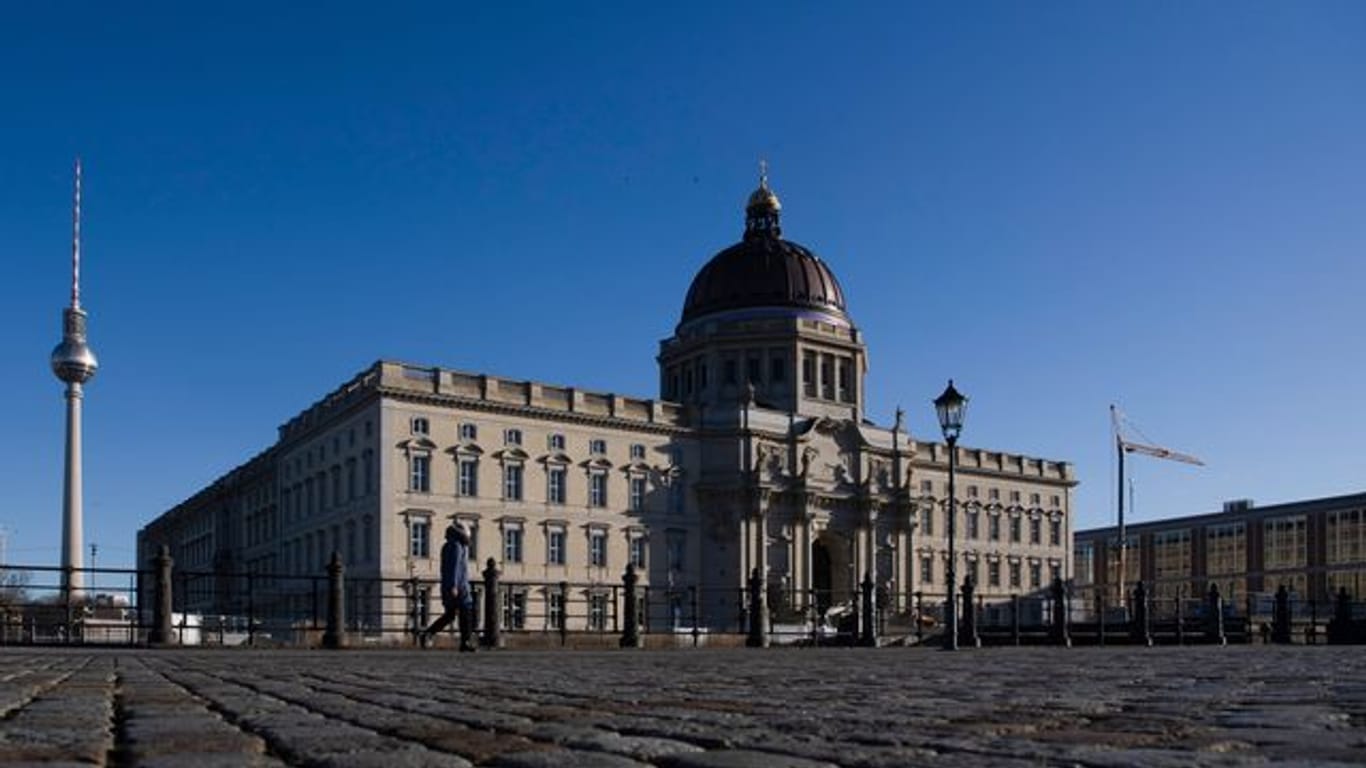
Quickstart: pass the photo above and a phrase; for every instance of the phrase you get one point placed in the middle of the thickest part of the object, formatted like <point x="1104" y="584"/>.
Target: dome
<point x="764" y="271"/>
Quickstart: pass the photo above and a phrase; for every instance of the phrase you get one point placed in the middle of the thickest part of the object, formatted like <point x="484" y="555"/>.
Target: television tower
<point x="74" y="363"/>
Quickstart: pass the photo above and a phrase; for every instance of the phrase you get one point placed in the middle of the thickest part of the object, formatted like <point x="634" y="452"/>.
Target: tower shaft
<point x="73" y="580"/>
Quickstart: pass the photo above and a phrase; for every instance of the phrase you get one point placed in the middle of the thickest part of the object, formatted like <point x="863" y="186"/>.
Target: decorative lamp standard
<point x="950" y="408"/>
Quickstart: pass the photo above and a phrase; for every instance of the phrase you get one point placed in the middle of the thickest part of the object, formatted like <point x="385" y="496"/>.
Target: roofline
<point x="1303" y="505"/>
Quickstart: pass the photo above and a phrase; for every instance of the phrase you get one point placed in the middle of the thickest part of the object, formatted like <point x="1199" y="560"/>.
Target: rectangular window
<point x="994" y="573"/>
<point x="420" y="426"/>
<point x="1226" y="550"/>
<point x="557" y="442"/>
<point x="597" y="548"/>
<point x="555" y="485"/>
<point x="677" y="545"/>
<point x="469" y="477"/>
<point x="638" y="552"/>
<point x="469" y="432"/>
<point x="927" y="525"/>
<point x="1015" y="529"/>
<point x="971" y="518"/>
<point x="926" y="569"/>
<point x="597" y="489"/>
<point x="597" y="612"/>
<point x="927" y="487"/>
<point x="994" y="527"/>
<point x="1171" y="562"/>
<point x="846" y="380"/>
<point x="1015" y="575"/>
<point x="368" y="459"/>
<point x="1035" y="575"/>
<point x="994" y="494"/>
<point x="637" y="452"/>
<point x="1055" y="533"/>
<point x="512" y="437"/>
<point x="554" y="610"/>
<point x="351" y="478"/>
<point x="809" y="373"/>
<point x="1035" y="530"/>
<point x="828" y="377"/>
<point x="1346" y="537"/>
<point x="554" y="554"/>
<point x="512" y="544"/>
<point x="597" y="447"/>
<point x="512" y="482"/>
<point x="1285" y="543"/>
<point x="419" y="473"/>
<point x="514" y="609"/>
<point x="419" y="537"/>
<point x="637" y="494"/>
<point x="1084" y="563"/>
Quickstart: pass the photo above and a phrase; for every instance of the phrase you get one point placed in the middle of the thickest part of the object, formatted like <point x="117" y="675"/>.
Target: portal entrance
<point x="820" y="575"/>
<point x="830" y="580"/>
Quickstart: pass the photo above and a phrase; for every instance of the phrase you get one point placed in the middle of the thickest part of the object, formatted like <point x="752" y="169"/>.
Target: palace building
<point x="757" y="456"/>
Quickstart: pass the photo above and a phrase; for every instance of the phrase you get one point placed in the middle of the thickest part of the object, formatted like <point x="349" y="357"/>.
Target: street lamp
<point x="950" y="408"/>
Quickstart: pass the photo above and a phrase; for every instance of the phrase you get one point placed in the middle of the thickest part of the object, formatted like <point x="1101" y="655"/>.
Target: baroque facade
<point x="757" y="457"/>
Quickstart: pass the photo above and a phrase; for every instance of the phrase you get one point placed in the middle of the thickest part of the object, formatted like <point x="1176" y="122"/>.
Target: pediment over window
<point x="417" y="444"/>
<point x="511" y="453"/>
<point x="466" y="449"/>
<point x="596" y="462"/>
<point x="636" y="467"/>
<point x="556" y="457"/>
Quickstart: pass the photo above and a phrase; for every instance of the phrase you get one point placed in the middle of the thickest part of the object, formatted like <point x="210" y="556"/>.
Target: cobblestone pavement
<point x="685" y="709"/>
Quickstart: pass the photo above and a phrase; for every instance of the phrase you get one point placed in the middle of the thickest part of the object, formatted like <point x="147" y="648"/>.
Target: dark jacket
<point x="455" y="567"/>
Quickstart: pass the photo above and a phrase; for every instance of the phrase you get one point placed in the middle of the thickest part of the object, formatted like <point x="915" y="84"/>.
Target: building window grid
<point x="512" y="544"/>
<point x="637" y="500"/>
<point x="597" y="489"/>
<point x="512" y="482"/>
<point x="555" y="546"/>
<point x="1346" y="537"/>
<point x="1171" y="562"/>
<point x="419" y="475"/>
<point x="468" y="477"/>
<point x="555" y="485"/>
<point x="419" y="538"/>
<point x="638" y="551"/>
<point x="597" y="548"/>
<point x="1226" y="549"/>
<point x="1285" y="543"/>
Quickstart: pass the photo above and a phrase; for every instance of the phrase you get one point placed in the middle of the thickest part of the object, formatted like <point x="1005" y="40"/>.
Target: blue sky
<point x="1059" y="205"/>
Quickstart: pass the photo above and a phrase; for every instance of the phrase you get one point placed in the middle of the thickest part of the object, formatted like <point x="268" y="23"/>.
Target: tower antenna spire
<point x="763" y="173"/>
<point x="76" y="242"/>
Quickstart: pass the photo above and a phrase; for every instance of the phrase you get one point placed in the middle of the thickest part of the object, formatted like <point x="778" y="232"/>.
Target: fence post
<point x="758" y="637"/>
<point x="630" y="634"/>
<point x="564" y="613"/>
<point x="1340" y="628"/>
<point x="335" y="636"/>
<point x="1015" y="619"/>
<point x="968" y="638"/>
<point x="919" y="617"/>
<point x="1062" y="629"/>
<point x="1139" y="628"/>
<point x="1280" y="617"/>
<point x="492" y="611"/>
<point x="161" y="599"/>
<point x="868" y="635"/>
<point x="1214" y="610"/>
<point x="1100" y="612"/>
<point x="696" y="613"/>
<point x="1180" y="619"/>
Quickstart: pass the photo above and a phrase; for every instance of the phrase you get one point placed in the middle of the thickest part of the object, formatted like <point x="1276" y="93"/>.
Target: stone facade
<point x="758" y="458"/>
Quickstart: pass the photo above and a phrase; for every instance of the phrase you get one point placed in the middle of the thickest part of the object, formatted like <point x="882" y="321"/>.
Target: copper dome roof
<point x="763" y="270"/>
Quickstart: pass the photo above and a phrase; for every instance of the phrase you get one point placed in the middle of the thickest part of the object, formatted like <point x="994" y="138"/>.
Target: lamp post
<point x="950" y="408"/>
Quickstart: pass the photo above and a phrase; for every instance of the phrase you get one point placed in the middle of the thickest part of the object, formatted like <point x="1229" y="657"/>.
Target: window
<point x="554" y="546"/>
<point x="1055" y="502"/>
<point x="1226" y="549"/>
<point x="1285" y="542"/>
<point x="597" y="447"/>
<point x="1054" y="572"/>
<point x="1015" y="575"/>
<point x="1346" y="536"/>
<point x="828" y="377"/>
<point x="469" y="432"/>
<point x="926" y="569"/>
<point x="1015" y="529"/>
<point x="512" y="482"/>
<point x="637" y="452"/>
<point x="809" y="373"/>
<point x="469" y="477"/>
<point x="557" y="442"/>
<point x="637" y="494"/>
<point x="638" y="552"/>
<point x="512" y="544"/>
<point x="512" y="437"/>
<point x="597" y="547"/>
<point x="972" y="491"/>
<point x="419" y="537"/>
<point x="1171" y="561"/>
<point x="676" y="498"/>
<point x="555" y="485"/>
<point x="368" y="460"/>
<point x="336" y="484"/>
<point x="927" y="487"/>
<point x="367" y="541"/>
<point x="1084" y="563"/>
<point x="597" y="489"/>
<point x="554" y="610"/>
<point x="421" y="426"/>
<point x="1034" y="499"/>
<point x="975" y="571"/>
<point x="927" y="526"/>
<point x="1015" y="496"/>
<point x="351" y="487"/>
<point x="1035" y="574"/>
<point x="971" y="518"/>
<point x="351" y="542"/>
<point x="1035" y="530"/>
<point x="676" y="543"/>
<point x="994" y="494"/>
<point x="846" y="380"/>
<point x="1055" y="533"/>
<point x="597" y="612"/>
<point x="419" y="473"/>
<point x="994" y="527"/>
<point x="514" y="609"/>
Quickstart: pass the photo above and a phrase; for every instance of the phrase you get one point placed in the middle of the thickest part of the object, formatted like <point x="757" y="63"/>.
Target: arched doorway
<point x="821" y="573"/>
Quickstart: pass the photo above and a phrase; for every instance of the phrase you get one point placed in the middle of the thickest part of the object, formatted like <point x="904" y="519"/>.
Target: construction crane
<point x="1124" y="445"/>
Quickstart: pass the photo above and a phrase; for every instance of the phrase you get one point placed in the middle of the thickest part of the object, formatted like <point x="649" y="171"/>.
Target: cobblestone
<point x="710" y="708"/>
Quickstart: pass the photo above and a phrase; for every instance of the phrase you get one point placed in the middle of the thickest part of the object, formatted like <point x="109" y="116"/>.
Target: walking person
<point x="456" y="599"/>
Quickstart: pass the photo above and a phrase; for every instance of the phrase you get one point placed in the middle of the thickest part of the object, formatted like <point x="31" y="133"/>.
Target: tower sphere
<point x="73" y="361"/>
